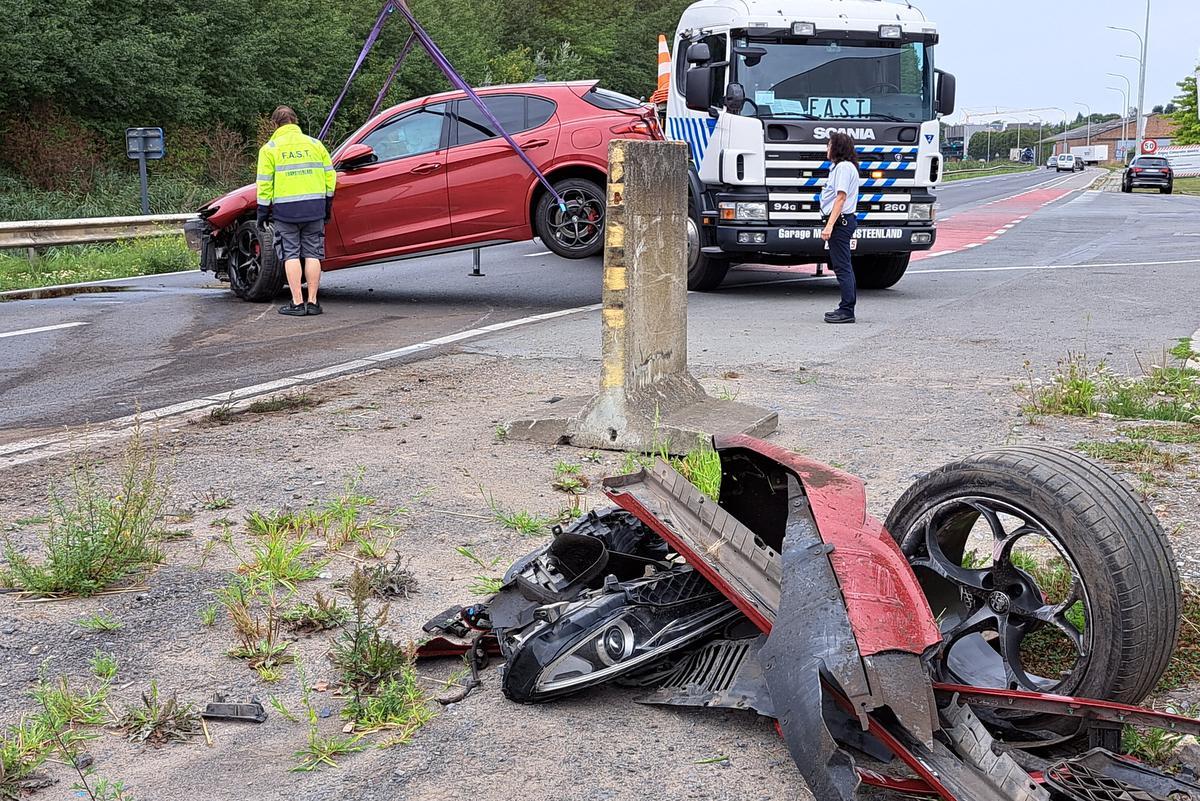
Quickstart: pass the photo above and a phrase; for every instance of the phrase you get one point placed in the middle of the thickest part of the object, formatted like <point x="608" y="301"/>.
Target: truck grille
<point x="796" y="173"/>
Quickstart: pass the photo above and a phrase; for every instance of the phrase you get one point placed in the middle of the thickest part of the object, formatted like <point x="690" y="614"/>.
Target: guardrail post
<point x="647" y="400"/>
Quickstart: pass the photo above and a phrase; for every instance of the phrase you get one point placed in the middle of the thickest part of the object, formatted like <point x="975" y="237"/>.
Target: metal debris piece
<point x="251" y="711"/>
<point x="974" y="744"/>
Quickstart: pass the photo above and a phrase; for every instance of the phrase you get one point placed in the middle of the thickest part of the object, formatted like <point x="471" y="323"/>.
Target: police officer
<point x="839" y="207"/>
<point x="295" y="192"/>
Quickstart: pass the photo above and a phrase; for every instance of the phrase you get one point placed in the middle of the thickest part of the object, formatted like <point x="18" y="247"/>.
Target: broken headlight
<point x="620" y="630"/>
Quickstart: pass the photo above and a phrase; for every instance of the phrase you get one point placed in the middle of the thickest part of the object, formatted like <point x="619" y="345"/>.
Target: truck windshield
<point x="832" y="79"/>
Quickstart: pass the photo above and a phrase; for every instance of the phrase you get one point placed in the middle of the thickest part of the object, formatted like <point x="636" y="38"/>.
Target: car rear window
<point x="609" y="100"/>
<point x="1154" y="162"/>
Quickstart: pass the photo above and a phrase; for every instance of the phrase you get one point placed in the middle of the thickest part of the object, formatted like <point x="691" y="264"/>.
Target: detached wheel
<point x="705" y="273"/>
<point x="879" y="272"/>
<point x="254" y="272"/>
<point x="577" y="232"/>
<point x="1046" y="573"/>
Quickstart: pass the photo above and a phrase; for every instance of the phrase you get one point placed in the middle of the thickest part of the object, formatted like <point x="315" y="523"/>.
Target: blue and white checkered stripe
<point x="899" y="166"/>
<point x="695" y="131"/>
<point x="888" y="149"/>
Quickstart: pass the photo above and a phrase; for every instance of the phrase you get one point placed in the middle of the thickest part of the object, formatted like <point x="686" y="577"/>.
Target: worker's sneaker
<point x="839" y="316"/>
<point x="314" y="308"/>
<point x="294" y="310"/>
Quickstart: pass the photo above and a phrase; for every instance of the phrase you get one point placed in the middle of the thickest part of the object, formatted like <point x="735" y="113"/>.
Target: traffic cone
<point x="664" y="72"/>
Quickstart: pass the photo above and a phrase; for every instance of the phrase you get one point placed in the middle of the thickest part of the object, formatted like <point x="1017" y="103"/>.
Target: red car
<point x="431" y="175"/>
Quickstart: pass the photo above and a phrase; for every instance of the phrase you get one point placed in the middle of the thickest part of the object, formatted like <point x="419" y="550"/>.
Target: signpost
<point x="143" y="144"/>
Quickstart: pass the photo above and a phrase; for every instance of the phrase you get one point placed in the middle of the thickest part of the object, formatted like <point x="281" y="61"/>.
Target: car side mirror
<point x="356" y="155"/>
<point x="945" y="93"/>
<point x="698" y="88"/>
<point x="699" y="53"/>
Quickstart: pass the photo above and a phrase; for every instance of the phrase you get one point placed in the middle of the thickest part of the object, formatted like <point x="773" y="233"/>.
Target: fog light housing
<point x="922" y="239"/>
<point x="752" y="238"/>
<point x="804" y="29"/>
<point x="746" y="212"/>
<point x="920" y="212"/>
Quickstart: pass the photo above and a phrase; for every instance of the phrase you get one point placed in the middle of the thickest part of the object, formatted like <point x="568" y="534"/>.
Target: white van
<point x="1069" y="163"/>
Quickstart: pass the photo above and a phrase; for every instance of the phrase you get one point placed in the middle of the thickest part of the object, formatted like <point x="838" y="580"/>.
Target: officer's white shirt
<point x="842" y="178"/>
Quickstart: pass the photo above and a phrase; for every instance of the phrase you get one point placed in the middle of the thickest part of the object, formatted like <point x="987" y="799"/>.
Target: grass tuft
<point x="322" y="614"/>
<point x="97" y="536"/>
<point x="159" y="721"/>
<point x="103" y="665"/>
<point x="100" y="623"/>
<point x="1141" y="455"/>
<point x="481" y="584"/>
<point x="288" y="402"/>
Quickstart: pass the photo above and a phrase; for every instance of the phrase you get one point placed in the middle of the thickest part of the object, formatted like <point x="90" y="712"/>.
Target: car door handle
<point x="532" y="143"/>
<point x="425" y="169"/>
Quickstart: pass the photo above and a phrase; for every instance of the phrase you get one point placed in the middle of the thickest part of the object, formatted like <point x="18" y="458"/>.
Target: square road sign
<point x="145" y="143"/>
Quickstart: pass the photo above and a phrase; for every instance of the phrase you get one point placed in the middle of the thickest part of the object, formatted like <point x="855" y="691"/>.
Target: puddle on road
<point x="45" y="293"/>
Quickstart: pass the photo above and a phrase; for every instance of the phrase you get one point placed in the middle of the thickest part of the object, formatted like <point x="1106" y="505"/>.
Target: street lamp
<point x="1089" y="130"/>
<point x="1066" y="123"/>
<point x="1125" y="108"/>
<point x="1125" y="99"/>
<point x="1141" y="124"/>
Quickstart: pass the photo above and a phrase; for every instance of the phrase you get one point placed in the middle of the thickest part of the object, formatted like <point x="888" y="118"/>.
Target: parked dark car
<point x="1149" y="172"/>
<point x="431" y="175"/>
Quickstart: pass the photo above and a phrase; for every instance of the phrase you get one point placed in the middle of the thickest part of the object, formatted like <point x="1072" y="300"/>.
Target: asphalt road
<point x="166" y="340"/>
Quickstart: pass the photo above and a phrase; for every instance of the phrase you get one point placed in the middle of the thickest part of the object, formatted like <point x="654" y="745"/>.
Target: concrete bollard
<point x="648" y="400"/>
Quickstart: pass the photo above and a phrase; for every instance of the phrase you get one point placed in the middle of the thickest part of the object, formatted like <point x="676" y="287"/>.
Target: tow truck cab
<point x="757" y="87"/>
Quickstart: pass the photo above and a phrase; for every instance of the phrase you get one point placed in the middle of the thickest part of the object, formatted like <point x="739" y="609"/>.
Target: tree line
<point x="75" y="73"/>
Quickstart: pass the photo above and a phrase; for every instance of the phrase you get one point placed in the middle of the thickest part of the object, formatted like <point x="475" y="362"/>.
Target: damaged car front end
<point x="781" y="595"/>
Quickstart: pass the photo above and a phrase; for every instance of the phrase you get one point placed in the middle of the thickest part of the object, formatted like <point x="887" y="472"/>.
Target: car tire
<point x="1114" y="547"/>
<point x="879" y="272"/>
<point x="1125" y="187"/>
<point x="705" y="273"/>
<point x="577" y="233"/>
<point x="1168" y="189"/>
<point x="255" y="274"/>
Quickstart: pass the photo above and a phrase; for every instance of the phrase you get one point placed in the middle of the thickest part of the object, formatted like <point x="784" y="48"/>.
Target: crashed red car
<point x="431" y="175"/>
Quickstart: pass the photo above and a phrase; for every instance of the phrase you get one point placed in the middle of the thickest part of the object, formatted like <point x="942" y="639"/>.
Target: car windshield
<point x="828" y="79"/>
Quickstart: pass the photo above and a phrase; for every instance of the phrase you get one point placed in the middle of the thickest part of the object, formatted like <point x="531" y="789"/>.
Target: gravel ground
<point x="423" y="435"/>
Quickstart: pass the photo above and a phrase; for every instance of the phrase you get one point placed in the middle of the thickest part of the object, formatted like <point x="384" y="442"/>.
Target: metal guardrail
<point x="35" y="234"/>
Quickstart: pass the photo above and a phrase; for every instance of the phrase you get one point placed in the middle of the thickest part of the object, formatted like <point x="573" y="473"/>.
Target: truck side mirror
<point x="945" y="93"/>
<point x="735" y="98"/>
<point x="699" y="53"/>
<point x="698" y="88"/>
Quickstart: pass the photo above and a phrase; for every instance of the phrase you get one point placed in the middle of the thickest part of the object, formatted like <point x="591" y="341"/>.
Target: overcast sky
<point x="1038" y="53"/>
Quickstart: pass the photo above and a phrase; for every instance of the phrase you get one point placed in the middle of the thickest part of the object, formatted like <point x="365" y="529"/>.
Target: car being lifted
<point x="432" y="175"/>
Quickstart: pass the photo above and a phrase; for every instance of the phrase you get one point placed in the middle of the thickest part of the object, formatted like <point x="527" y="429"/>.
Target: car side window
<point x="472" y="126"/>
<point x="538" y="111"/>
<point x="413" y="134"/>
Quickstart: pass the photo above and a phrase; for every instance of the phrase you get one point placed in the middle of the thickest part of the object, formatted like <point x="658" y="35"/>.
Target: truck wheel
<point x="254" y="272"/>
<point x="578" y="232"/>
<point x="879" y="272"/>
<point x="1046" y="573"/>
<point x="705" y="273"/>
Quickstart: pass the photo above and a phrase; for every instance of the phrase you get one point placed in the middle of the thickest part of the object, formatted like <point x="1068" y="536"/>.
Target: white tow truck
<point x="757" y="86"/>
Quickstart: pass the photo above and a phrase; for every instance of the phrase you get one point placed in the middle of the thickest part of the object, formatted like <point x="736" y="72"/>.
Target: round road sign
<point x="1149" y="146"/>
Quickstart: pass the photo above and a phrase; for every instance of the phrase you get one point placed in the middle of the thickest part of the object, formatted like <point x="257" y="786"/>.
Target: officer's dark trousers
<point x="839" y="259"/>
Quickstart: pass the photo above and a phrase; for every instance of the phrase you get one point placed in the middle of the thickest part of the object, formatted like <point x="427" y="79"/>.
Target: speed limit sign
<point x="1149" y="146"/>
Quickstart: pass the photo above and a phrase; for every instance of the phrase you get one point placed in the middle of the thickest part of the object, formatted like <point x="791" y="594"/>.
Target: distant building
<point x="1159" y="127"/>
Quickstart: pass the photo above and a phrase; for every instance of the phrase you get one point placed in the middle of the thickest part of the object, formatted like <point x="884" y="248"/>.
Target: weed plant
<point x="157" y="720"/>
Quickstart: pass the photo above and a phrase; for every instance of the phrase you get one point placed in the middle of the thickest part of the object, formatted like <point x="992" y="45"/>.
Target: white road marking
<point x="16" y="453"/>
<point x="58" y="327"/>
<point x="830" y="276"/>
<point x="105" y="281"/>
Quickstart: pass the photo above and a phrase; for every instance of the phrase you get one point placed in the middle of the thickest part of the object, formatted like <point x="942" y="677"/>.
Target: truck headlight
<point x="751" y="212"/>
<point x="920" y="212"/>
<point x="890" y="31"/>
<point x="804" y="29"/>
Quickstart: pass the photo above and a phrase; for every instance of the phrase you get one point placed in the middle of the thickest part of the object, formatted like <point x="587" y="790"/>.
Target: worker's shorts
<point x="304" y="240"/>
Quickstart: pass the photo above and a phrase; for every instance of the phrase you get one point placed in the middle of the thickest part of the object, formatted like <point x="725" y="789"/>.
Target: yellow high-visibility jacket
<point x="295" y="176"/>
